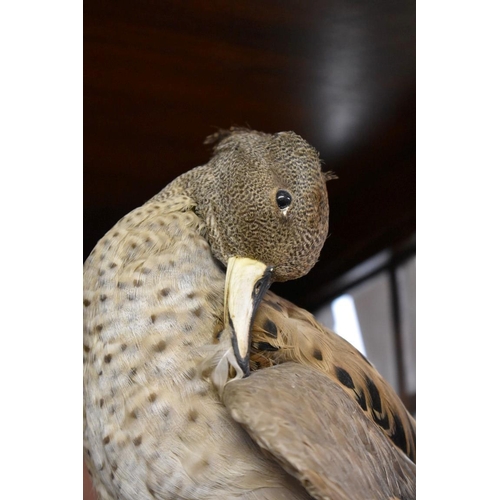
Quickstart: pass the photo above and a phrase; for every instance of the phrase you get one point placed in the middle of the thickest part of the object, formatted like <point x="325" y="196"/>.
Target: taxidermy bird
<point x="200" y="383"/>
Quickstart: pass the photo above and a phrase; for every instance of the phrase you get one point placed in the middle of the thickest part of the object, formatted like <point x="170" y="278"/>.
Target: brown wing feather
<point x="319" y="435"/>
<point x="284" y="332"/>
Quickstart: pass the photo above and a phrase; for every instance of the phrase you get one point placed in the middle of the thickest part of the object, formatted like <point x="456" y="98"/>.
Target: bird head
<point x="263" y="198"/>
<point x="266" y="200"/>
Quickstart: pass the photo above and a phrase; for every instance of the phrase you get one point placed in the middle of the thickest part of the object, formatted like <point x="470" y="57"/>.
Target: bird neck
<point x="198" y="185"/>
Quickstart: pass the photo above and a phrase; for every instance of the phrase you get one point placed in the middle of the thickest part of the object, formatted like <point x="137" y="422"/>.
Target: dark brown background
<point x="159" y="76"/>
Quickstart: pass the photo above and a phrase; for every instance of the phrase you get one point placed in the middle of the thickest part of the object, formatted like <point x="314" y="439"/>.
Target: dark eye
<point x="283" y="199"/>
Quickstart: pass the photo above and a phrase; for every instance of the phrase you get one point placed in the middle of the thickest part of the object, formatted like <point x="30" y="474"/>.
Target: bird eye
<point x="283" y="199"/>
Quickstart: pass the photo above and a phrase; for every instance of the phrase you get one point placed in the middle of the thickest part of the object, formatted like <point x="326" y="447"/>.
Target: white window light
<point x="345" y="321"/>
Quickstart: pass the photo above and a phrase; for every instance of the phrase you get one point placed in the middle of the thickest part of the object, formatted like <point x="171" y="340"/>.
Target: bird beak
<point x="247" y="281"/>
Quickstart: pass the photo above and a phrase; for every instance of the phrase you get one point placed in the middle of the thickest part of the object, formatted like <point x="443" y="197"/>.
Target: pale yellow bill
<point x="247" y="281"/>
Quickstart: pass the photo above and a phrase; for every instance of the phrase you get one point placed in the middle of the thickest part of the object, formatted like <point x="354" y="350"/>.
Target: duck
<point x="201" y="383"/>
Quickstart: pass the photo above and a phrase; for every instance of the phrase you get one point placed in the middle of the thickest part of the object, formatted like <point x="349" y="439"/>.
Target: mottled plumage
<point x="292" y="334"/>
<point x="157" y="328"/>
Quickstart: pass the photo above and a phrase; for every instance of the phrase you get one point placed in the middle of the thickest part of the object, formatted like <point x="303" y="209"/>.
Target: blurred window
<point x="375" y="311"/>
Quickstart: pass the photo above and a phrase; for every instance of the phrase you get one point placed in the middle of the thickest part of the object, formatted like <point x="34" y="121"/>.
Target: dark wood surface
<point x="159" y="76"/>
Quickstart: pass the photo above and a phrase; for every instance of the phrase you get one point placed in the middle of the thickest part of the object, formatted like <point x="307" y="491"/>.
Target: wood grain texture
<point x="161" y="76"/>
